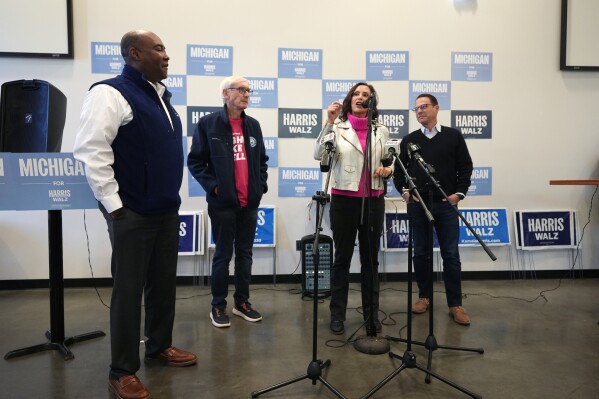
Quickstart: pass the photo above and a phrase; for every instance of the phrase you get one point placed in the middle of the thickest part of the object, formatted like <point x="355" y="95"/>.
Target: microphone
<point x="414" y="151"/>
<point x="369" y="100"/>
<point x="329" y="145"/>
<point x="391" y="149"/>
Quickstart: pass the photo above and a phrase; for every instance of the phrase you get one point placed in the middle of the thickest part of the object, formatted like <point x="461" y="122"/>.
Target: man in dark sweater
<point x="445" y="150"/>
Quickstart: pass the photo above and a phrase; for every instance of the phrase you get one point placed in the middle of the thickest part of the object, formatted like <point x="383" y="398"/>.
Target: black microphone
<point x="329" y="147"/>
<point x="414" y="151"/>
<point x="369" y="100"/>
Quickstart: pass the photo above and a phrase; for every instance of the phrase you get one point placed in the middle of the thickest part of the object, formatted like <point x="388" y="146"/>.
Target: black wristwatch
<point x="460" y="196"/>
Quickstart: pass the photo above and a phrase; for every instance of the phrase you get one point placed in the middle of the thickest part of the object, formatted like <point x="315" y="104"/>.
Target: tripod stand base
<point x="313" y="373"/>
<point x="372" y="345"/>
<point x="59" y="345"/>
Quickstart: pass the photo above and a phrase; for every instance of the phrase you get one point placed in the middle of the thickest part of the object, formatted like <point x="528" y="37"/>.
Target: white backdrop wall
<point x="545" y="123"/>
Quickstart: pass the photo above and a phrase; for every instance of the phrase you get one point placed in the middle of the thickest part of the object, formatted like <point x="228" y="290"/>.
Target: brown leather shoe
<point x="459" y="315"/>
<point x="173" y="357"/>
<point x="420" y="306"/>
<point x="128" y="387"/>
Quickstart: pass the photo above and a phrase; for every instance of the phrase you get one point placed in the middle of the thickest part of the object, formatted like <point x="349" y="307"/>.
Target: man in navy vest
<point x="129" y="139"/>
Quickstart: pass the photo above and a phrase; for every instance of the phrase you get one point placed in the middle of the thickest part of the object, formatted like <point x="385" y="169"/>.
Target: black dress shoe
<point x="337" y="327"/>
<point x="377" y="325"/>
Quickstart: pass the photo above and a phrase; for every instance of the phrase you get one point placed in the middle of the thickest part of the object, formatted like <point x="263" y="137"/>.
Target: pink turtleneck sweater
<point x="360" y="125"/>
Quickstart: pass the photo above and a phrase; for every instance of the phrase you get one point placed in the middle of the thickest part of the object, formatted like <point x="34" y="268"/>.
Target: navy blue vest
<point x="148" y="151"/>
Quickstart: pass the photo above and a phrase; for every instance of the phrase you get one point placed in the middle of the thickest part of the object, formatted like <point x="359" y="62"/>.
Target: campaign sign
<point x="387" y="65"/>
<point x="481" y="181"/>
<point x="52" y="181"/>
<point x="396" y="121"/>
<point x="296" y="63"/>
<point x="265" y="228"/>
<point x="271" y="144"/>
<point x="208" y="60"/>
<point x="473" y="124"/>
<point x="489" y="224"/>
<point x="547" y="229"/>
<point x="7" y="198"/>
<point x="299" y="123"/>
<point x="441" y="89"/>
<point x="396" y="237"/>
<point x="472" y="67"/>
<point x="391" y="190"/>
<point x="106" y="58"/>
<point x="177" y="85"/>
<point x="265" y="93"/>
<point x="194" y="113"/>
<point x="299" y="182"/>
<point x="396" y="231"/>
<point x="187" y="233"/>
<point x="335" y="90"/>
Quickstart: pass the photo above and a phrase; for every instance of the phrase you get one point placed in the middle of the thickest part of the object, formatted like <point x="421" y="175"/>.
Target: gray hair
<point x="228" y="81"/>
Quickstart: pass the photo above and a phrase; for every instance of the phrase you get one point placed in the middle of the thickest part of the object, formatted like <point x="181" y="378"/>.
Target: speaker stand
<point x="56" y="332"/>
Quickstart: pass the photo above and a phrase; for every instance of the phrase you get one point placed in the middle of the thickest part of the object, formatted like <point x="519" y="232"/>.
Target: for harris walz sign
<point x="38" y="181"/>
<point x="299" y="123"/>
<point x="397" y="232"/>
<point x="191" y="233"/>
<point x="490" y="225"/>
<point x="473" y="124"/>
<point x="209" y="60"/>
<point x="265" y="228"/>
<point x="546" y="229"/>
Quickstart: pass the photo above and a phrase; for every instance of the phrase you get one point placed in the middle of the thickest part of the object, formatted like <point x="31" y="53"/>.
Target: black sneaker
<point x="337" y="327"/>
<point x="245" y="310"/>
<point x="219" y="318"/>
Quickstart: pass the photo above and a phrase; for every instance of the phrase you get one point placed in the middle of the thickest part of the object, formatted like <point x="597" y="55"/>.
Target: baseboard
<point x="297" y="279"/>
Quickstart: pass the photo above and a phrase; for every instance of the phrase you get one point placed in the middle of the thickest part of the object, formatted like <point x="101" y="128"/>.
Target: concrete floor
<point x="546" y="348"/>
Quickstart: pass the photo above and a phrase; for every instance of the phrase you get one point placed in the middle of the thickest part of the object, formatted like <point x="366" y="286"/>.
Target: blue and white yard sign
<point x="546" y="229"/>
<point x="298" y="63"/>
<point x="44" y="181"/>
<point x="208" y="60"/>
<point x="266" y="232"/>
<point x="191" y="233"/>
<point x="387" y="65"/>
<point x="397" y="232"/>
<point x="472" y="67"/>
<point x="299" y="182"/>
<point x="106" y="58"/>
<point x="489" y="223"/>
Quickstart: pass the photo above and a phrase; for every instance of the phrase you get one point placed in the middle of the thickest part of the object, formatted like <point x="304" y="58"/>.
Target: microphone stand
<point x="369" y="344"/>
<point x="314" y="371"/>
<point x="408" y="360"/>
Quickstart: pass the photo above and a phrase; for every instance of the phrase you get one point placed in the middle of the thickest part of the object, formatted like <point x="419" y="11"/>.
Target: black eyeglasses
<point x="422" y="107"/>
<point x="242" y="90"/>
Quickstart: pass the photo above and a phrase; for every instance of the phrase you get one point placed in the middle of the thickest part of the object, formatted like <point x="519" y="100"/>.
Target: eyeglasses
<point x="421" y="107"/>
<point x="242" y="90"/>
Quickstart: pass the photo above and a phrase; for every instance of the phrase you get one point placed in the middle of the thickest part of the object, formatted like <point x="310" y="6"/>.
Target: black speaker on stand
<point x="32" y="118"/>
<point x="325" y="262"/>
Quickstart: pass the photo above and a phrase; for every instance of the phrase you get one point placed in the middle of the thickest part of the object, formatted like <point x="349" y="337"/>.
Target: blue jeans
<point x="447" y="227"/>
<point x="232" y="229"/>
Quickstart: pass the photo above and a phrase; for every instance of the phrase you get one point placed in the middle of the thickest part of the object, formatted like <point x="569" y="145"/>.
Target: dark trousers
<point x="232" y="229"/>
<point x="447" y="228"/>
<point x="345" y="223"/>
<point x="144" y="261"/>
